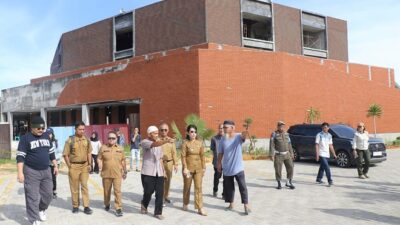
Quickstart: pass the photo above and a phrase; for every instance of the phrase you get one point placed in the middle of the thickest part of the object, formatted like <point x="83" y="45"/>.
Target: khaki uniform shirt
<point x="280" y="142"/>
<point x="169" y="152"/>
<point x="80" y="149"/>
<point x="112" y="158"/>
<point x="193" y="156"/>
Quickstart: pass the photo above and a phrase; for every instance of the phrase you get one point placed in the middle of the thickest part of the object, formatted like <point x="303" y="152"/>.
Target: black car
<point x="303" y="142"/>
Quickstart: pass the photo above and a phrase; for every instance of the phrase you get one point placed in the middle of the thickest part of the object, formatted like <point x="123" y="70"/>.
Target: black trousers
<point x="95" y="165"/>
<point x="229" y="187"/>
<point x="54" y="177"/>
<point x="150" y="185"/>
<point x="217" y="176"/>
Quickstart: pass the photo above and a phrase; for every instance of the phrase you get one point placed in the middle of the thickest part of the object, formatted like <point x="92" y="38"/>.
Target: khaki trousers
<point x="283" y="159"/>
<point x="78" y="177"/>
<point x="114" y="183"/>
<point x="168" y="167"/>
<point x="197" y="177"/>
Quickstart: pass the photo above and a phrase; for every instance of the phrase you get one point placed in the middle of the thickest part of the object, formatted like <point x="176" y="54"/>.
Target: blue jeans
<point x="324" y="166"/>
<point x="135" y="155"/>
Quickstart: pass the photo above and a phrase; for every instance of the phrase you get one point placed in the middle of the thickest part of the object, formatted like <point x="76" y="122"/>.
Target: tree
<point x="312" y="115"/>
<point x="374" y="110"/>
<point x="247" y="123"/>
<point x="202" y="131"/>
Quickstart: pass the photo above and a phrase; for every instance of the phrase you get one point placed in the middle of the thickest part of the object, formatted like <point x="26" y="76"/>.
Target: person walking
<point x="58" y="155"/>
<point x="111" y="161"/>
<point x="281" y="152"/>
<point x="194" y="167"/>
<point x="96" y="145"/>
<point x="135" y="151"/>
<point x="361" y="150"/>
<point x="214" y="148"/>
<point x="230" y="160"/>
<point x="78" y="157"/>
<point x="169" y="160"/>
<point x="324" y="144"/>
<point x="153" y="171"/>
<point x="33" y="155"/>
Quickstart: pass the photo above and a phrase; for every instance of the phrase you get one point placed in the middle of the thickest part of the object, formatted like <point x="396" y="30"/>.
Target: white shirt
<point x="95" y="147"/>
<point x="324" y="140"/>
<point x="360" y="141"/>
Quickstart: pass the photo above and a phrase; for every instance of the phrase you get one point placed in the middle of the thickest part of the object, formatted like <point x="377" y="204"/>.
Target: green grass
<point x="7" y="161"/>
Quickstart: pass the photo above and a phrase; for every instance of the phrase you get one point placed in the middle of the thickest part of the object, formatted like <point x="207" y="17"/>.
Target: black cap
<point x="37" y="122"/>
<point x="229" y="122"/>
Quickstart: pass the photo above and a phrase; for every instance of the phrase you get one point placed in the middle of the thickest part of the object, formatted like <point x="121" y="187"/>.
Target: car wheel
<point x="343" y="159"/>
<point x="296" y="155"/>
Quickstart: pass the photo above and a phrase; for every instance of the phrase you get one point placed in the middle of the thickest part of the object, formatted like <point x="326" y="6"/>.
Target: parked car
<point x="303" y="142"/>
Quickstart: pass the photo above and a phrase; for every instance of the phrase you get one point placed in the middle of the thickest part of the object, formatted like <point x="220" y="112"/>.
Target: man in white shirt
<point x="324" y="144"/>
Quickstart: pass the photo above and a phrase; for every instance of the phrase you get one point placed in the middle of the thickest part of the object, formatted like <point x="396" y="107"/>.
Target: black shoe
<point x="290" y="185"/>
<point x="87" y="210"/>
<point x="75" y="210"/>
<point x="168" y="201"/>
<point x="279" y="185"/>
<point x="319" y="181"/>
<point x="330" y="184"/>
<point x="107" y="207"/>
<point x="54" y="195"/>
<point x="118" y="213"/>
<point x="215" y="194"/>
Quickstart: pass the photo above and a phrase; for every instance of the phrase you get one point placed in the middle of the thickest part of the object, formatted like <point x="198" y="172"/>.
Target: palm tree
<point x="312" y="115"/>
<point x="374" y="110"/>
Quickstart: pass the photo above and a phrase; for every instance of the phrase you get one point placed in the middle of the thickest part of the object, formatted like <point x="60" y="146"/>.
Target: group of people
<point x="281" y="152"/>
<point x="83" y="156"/>
<point x="37" y="148"/>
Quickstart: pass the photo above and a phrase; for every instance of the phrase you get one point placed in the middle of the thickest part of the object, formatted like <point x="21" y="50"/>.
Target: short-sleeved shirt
<point x="324" y="140"/>
<point x="152" y="157"/>
<point x="214" y="148"/>
<point x="112" y="158"/>
<point x="192" y="156"/>
<point x="169" y="153"/>
<point x="135" y="144"/>
<point x="35" y="151"/>
<point x="81" y="147"/>
<point x="232" y="161"/>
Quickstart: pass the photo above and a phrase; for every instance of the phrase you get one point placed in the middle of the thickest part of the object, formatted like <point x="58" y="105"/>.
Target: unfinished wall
<point x="337" y="39"/>
<point x="169" y="24"/>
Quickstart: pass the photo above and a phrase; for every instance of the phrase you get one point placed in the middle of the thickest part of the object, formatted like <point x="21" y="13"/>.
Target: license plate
<point x="377" y="153"/>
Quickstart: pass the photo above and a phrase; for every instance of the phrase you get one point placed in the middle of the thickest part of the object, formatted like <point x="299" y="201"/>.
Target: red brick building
<point x="220" y="59"/>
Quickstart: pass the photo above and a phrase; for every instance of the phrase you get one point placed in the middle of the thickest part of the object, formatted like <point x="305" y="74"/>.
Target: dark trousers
<point x="95" y="165"/>
<point x="54" y="177"/>
<point x="229" y="187"/>
<point x="363" y="168"/>
<point x="324" y="166"/>
<point x="217" y="176"/>
<point x="38" y="191"/>
<point x="150" y="185"/>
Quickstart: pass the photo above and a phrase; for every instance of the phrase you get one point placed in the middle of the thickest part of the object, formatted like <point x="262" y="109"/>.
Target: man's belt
<point x="168" y="160"/>
<point x="281" y="153"/>
<point x="79" y="162"/>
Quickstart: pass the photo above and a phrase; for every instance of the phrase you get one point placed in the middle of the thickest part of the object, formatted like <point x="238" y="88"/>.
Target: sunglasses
<point x="163" y="130"/>
<point x="193" y="132"/>
<point x="40" y="128"/>
<point x="112" y="138"/>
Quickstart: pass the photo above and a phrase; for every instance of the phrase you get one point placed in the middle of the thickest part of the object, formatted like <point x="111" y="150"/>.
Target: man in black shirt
<point x="34" y="151"/>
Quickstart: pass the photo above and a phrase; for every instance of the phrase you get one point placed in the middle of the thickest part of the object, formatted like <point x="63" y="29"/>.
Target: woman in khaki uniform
<point x="194" y="166"/>
<point x="111" y="160"/>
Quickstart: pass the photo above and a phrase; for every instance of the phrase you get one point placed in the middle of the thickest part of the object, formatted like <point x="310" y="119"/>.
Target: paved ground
<point x="349" y="201"/>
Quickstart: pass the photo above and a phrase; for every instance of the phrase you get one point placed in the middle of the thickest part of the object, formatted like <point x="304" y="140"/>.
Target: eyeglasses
<point x="192" y="131"/>
<point x="40" y="128"/>
<point x="225" y="127"/>
<point x="112" y="138"/>
<point x="162" y="130"/>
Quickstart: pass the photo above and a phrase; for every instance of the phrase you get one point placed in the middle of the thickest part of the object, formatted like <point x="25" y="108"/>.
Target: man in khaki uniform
<point x="281" y="152"/>
<point x="78" y="157"/>
<point x="111" y="161"/>
<point x="169" y="160"/>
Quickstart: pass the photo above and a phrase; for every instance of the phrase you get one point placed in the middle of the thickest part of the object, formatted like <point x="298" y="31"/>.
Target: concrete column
<point x="86" y="114"/>
<point x="10" y="122"/>
<point x="43" y="114"/>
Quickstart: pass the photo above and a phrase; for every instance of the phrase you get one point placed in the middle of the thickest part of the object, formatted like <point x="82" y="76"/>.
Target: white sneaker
<point x="42" y="215"/>
<point x="36" y="222"/>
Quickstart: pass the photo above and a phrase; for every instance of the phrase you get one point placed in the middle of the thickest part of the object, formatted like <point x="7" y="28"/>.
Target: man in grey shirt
<point x="153" y="171"/>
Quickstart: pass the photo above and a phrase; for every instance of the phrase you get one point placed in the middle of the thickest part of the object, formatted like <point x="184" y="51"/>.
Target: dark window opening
<point x="121" y="114"/>
<point x="257" y="27"/>
<point x="124" y="39"/>
<point x="314" y="38"/>
<point x="63" y="118"/>
<point x="108" y="114"/>
<point x="95" y="116"/>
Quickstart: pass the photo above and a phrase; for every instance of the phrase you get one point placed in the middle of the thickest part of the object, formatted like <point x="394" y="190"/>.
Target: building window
<point x="314" y="35"/>
<point x="124" y="36"/>
<point x="257" y="26"/>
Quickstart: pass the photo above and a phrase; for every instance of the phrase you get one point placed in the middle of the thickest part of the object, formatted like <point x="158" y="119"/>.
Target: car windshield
<point x="343" y="131"/>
